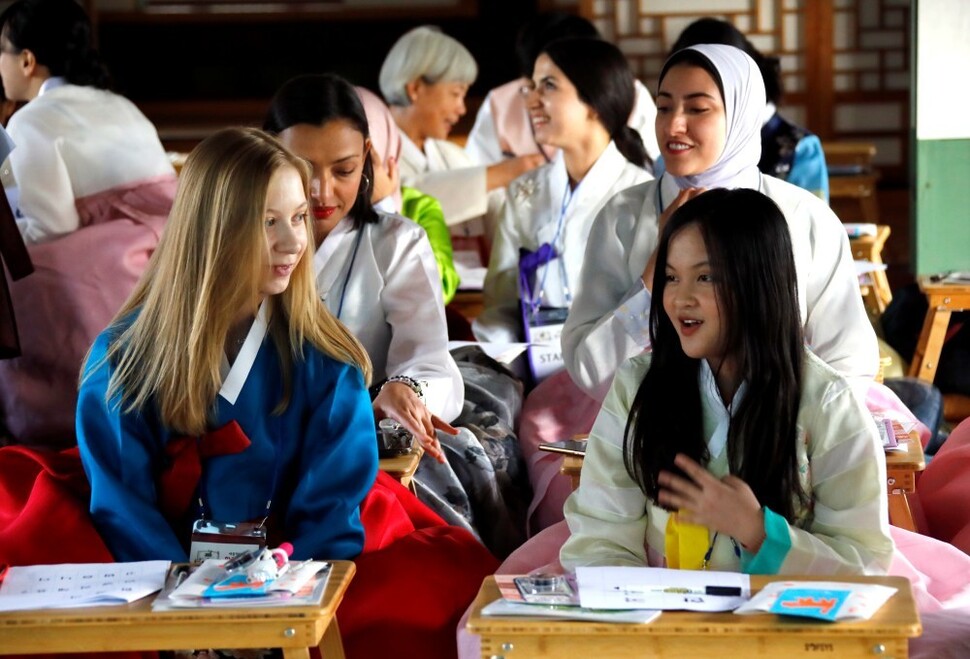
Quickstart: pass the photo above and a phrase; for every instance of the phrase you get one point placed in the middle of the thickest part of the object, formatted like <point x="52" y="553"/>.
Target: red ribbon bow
<point x="178" y="481"/>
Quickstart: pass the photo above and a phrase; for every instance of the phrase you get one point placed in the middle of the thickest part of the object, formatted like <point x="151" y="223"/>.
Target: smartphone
<point x="567" y="446"/>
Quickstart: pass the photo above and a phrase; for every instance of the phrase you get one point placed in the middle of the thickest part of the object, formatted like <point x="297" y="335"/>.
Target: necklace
<point x="710" y="550"/>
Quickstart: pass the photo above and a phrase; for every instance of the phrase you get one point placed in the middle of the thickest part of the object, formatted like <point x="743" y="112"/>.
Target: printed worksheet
<point x="79" y="584"/>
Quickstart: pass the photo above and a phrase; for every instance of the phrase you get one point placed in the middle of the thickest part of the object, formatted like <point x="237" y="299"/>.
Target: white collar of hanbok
<point x="604" y="172"/>
<point x="51" y="83"/>
<point x="234" y="377"/>
<point x="722" y="413"/>
<point x="411" y="153"/>
<point x="329" y="245"/>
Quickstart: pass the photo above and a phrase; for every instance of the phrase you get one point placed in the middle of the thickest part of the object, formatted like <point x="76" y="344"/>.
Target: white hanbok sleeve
<point x="500" y="320"/>
<point x="413" y="308"/>
<point x="837" y="328"/>
<point x="848" y="528"/>
<point x="595" y="340"/>
<point x="450" y="177"/>
<point x="607" y="514"/>
<point x="482" y="146"/>
<point x="45" y="195"/>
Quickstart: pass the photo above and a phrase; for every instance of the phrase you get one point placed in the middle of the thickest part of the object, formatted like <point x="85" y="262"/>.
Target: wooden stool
<point x="943" y="300"/>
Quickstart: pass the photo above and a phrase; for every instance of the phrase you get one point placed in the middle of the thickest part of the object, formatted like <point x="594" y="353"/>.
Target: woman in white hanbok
<point x="91" y="187"/>
<point x="424" y="79"/>
<point x="710" y="101"/>
<point x="502" y="126"/>
<point x="377" y="274"/>
<point x="375" y="271"/>
<point x="579" y="97"/>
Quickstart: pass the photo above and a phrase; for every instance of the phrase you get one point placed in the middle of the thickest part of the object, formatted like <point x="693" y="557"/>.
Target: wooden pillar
<point x="820" y="67"/>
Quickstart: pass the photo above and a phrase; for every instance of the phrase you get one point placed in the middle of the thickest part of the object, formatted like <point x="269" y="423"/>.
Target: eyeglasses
<point x="545" y="86"/>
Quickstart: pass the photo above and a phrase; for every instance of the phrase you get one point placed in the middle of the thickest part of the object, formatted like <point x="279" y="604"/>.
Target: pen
<point x="720" y="591"/>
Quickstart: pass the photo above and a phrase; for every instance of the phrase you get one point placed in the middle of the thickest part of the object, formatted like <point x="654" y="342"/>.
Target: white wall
<point x="942" y="69"/>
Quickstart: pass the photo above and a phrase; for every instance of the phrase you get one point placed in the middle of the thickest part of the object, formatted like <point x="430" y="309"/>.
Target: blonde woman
<point x="225" y="389"/>
<point x="225" y="332"/>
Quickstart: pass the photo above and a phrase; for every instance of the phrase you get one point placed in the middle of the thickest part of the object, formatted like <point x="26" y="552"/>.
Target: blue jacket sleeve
<point x="338" y="464"/>
<point x="119" y="452"/>
<point x="809" y="170"/>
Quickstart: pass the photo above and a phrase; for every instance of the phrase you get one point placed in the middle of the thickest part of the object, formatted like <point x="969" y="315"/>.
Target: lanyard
<point x="568" y="196"/>
<point x="350" y="269"/>
<point x="203" y="496"/>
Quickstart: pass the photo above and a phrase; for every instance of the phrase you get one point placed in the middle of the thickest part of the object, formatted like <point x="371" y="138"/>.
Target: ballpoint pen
<point x="720" y="591"/>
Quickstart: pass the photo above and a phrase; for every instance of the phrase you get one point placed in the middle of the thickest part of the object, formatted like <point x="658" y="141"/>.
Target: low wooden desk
<point x="684" y="634"/>
<point x="572" y="465"/>
<point x="403" y="467"/>
<point x="878" y="294"/>
<point x="901" y="469"/>
<point x="943" y="300"/>
<point x="135" y="627"/>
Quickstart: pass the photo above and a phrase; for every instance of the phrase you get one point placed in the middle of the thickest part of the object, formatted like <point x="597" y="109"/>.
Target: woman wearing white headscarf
<point x="710" y="99"/>
<point x="710" y="103"/>
<point x="708" y="125"/>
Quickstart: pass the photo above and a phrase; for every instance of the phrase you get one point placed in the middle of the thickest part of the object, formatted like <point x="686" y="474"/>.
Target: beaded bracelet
<point x="410" y="382"/>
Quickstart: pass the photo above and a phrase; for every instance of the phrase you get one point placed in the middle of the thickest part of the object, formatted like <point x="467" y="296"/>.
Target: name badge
<point x="543" y="332"/>
<point x="222" y="540"/>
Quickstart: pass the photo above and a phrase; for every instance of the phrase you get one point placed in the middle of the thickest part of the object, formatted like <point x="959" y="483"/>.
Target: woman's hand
<point x="727" y="505"/>
<point x="682" y="197"/>
<point x="502" y="173"/>
<point x="398" y="401"/>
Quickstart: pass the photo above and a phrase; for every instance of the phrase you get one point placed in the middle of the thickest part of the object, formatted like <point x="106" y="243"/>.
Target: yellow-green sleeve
<point x="426" y="212"/>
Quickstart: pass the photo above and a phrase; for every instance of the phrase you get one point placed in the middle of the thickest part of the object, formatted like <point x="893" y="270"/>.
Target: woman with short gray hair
<point x="424" y="79"/>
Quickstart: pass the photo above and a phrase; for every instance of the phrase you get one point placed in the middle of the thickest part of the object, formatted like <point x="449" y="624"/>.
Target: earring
<point x="366" y="180"/>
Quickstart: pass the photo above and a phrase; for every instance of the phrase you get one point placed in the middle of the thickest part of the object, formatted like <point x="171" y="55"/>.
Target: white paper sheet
<point x="504" y="353"/>
<point x="660" y="588"/>
<point x="75" y="584"/>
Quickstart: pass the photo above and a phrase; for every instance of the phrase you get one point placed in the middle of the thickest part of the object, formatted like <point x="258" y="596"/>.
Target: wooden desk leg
<point x="927" y="356"/>
<point x="900" y="515"/>
<point x="884" y="294"/>
<point x="331" y="647"/>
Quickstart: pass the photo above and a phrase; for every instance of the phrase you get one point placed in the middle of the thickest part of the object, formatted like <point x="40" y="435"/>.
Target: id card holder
<point x="543" y="332"/>
<point x="223" y="540"/>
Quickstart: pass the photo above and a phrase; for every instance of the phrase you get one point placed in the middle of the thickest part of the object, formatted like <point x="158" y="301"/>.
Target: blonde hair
<point x="206" y="270"/>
